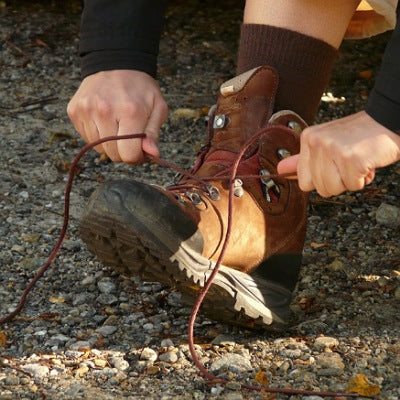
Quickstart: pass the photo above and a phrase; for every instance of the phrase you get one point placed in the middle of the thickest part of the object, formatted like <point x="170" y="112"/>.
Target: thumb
<point x="150" y="147"/>
<point x="288" y="165"/>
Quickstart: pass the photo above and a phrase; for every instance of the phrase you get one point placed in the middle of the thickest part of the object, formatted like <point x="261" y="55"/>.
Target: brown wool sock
<point x="303" y="63"/>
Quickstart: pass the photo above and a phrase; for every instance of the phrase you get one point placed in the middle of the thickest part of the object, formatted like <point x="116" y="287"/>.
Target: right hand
<point x="119" y="102"/>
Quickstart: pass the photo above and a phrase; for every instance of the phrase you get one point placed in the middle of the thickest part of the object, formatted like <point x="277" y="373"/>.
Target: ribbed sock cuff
<point x="304" y="64"/>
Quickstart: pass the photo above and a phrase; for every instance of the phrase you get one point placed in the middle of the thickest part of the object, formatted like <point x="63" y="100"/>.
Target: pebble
<point x="37" y="370"/>
<point x="167" y="343"/>
<point x="223" y="340"/>
<point x="106" y="285"/>
<point x="169" y="357"/>
<point x="232" y="362"/>
<point x="388" y="215"/>
<point x="323" y="342"/>
<point x="148" y="354"/>
<point x="107" y="299"/>
<point x="119" y="363"/>
<point x="329" y="364"/>
<point x="106" y="330"/>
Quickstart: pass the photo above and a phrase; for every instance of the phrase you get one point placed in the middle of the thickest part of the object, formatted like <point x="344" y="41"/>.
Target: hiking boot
<point x="175" y="235"/>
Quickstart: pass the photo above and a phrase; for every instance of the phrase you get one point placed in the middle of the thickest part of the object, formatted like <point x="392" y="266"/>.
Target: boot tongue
<point x="244" y="106"/>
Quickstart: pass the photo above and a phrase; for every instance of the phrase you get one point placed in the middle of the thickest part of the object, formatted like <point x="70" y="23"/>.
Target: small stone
<point x="232" y="396"/>
<point x="107" y="299"/>
<point x="88" y="280"/>
<point x="148" y="354"/>
<point x="37" y="370"/>
<point x="330" y="364"/>
<point x="232" y="362"/>
<point x="224" y="340"/>
<point x="153" y="370"/>
<point x="167" y="343"/>
<point x="81" y="344"/>
<point x="397" y="293"/>
<point x="336" y="265"/>
<point x="99" y="362"/>
<point x="12" y="380"/>
<point x="106" y="330"/>
<point x="388" y="215"/>
<point x="148" y="327"/>
<point x="169" y="357"/>
<point x="119" y="363"/>
<point x="326" y="342"/>
<point x="217" y="390"/>
<point x="231" y="385"/>
<point x="81" y="371"/>
<point x="106" y="285"/>
<point x="111" y="320"/>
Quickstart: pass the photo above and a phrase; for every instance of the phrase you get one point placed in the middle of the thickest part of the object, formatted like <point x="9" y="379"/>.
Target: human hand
<point x="119" y="102"/>
<point x="342" y="154"/>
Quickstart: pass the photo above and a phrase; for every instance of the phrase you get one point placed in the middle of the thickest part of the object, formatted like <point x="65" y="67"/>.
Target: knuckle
<point x="132" y="109"/>
<point x="103" y="108"/>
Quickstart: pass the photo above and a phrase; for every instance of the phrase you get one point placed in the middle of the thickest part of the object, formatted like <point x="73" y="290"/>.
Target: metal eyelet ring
<point x="179" y="199"/>
<point x="268" y="184"/>
<point x="295" y="126"/>
<point x="283" y="153"/>
<point x="220" y="121"/>
<point x="213" y="192"/>
<point x="238" y="188"/>
<point x="194" y="198"/>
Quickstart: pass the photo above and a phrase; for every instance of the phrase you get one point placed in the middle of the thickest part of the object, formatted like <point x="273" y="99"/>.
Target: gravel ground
<point x="88" y="333"/>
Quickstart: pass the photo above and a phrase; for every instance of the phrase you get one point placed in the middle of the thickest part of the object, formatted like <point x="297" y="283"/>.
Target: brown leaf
<point x="261" y="378"/>
<point x="367" y="74"/>
<point x="359" y="384"/>
<point x="3" y="339"/>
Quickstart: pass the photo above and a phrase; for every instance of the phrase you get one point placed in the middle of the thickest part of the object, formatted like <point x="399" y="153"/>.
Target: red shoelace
<point x="207" y="375"/>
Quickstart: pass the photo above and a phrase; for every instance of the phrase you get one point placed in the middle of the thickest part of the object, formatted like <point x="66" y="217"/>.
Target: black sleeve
<point x="384" y="101"/>
<point x="120" y="34"/>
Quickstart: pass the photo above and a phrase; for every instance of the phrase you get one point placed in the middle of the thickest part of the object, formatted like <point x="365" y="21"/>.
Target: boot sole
<point x="124" y="241"/>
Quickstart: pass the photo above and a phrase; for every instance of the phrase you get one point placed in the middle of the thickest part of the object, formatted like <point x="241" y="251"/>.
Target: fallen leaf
<point x="56" y="300"/>
<point x="99" y="362"/>
<point x="359" y="384"/>
<point x="153" y="370"/>
<point x="3" y="339"/>
<point x="367" y="74"/>
<point x="261" y="378"/>
<point x="315" y="245"/>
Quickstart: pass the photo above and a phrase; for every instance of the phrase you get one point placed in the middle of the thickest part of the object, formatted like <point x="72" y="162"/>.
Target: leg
<point x="321" y="19"/>
<point x="299" y="38"/>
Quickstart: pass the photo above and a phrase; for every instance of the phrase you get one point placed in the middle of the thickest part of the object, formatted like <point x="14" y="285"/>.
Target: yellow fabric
<point x="371" y="18"/>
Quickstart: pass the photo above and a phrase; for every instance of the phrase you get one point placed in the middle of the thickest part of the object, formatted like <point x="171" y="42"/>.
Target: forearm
<point x="121" y="34"/>
<point x="384" y="102"/>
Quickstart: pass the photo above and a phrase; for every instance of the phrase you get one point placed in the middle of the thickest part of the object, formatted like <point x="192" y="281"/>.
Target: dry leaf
<point x="153" y="370"/>
<point x="359" y="384"/>
<point x="261" y="378"/>
<point x="367" y="74"/>
<point x="56" y="300"/>
<point x="3" y="339"/>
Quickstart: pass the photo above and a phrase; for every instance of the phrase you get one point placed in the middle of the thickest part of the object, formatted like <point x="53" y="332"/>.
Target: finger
<point x="326" y="177"/>
<point x="130" y="150"/>
<point x="108" y="127"/>
<point x="288" y="166"/>
<point x="157" y="118"/>
<point x="370" y="177"/>
<point x="303" y="166"/>
<point x="92" y="135"/>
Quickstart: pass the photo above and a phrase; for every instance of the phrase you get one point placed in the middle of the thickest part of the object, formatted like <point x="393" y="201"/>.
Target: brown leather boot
<point x="175" y="235"/>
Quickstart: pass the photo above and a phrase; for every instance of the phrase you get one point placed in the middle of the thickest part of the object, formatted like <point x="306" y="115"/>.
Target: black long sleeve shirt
<point x="125" y="34"/>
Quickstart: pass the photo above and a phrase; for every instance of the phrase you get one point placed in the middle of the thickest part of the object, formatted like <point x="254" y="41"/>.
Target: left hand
<point x="342" y="154"/>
